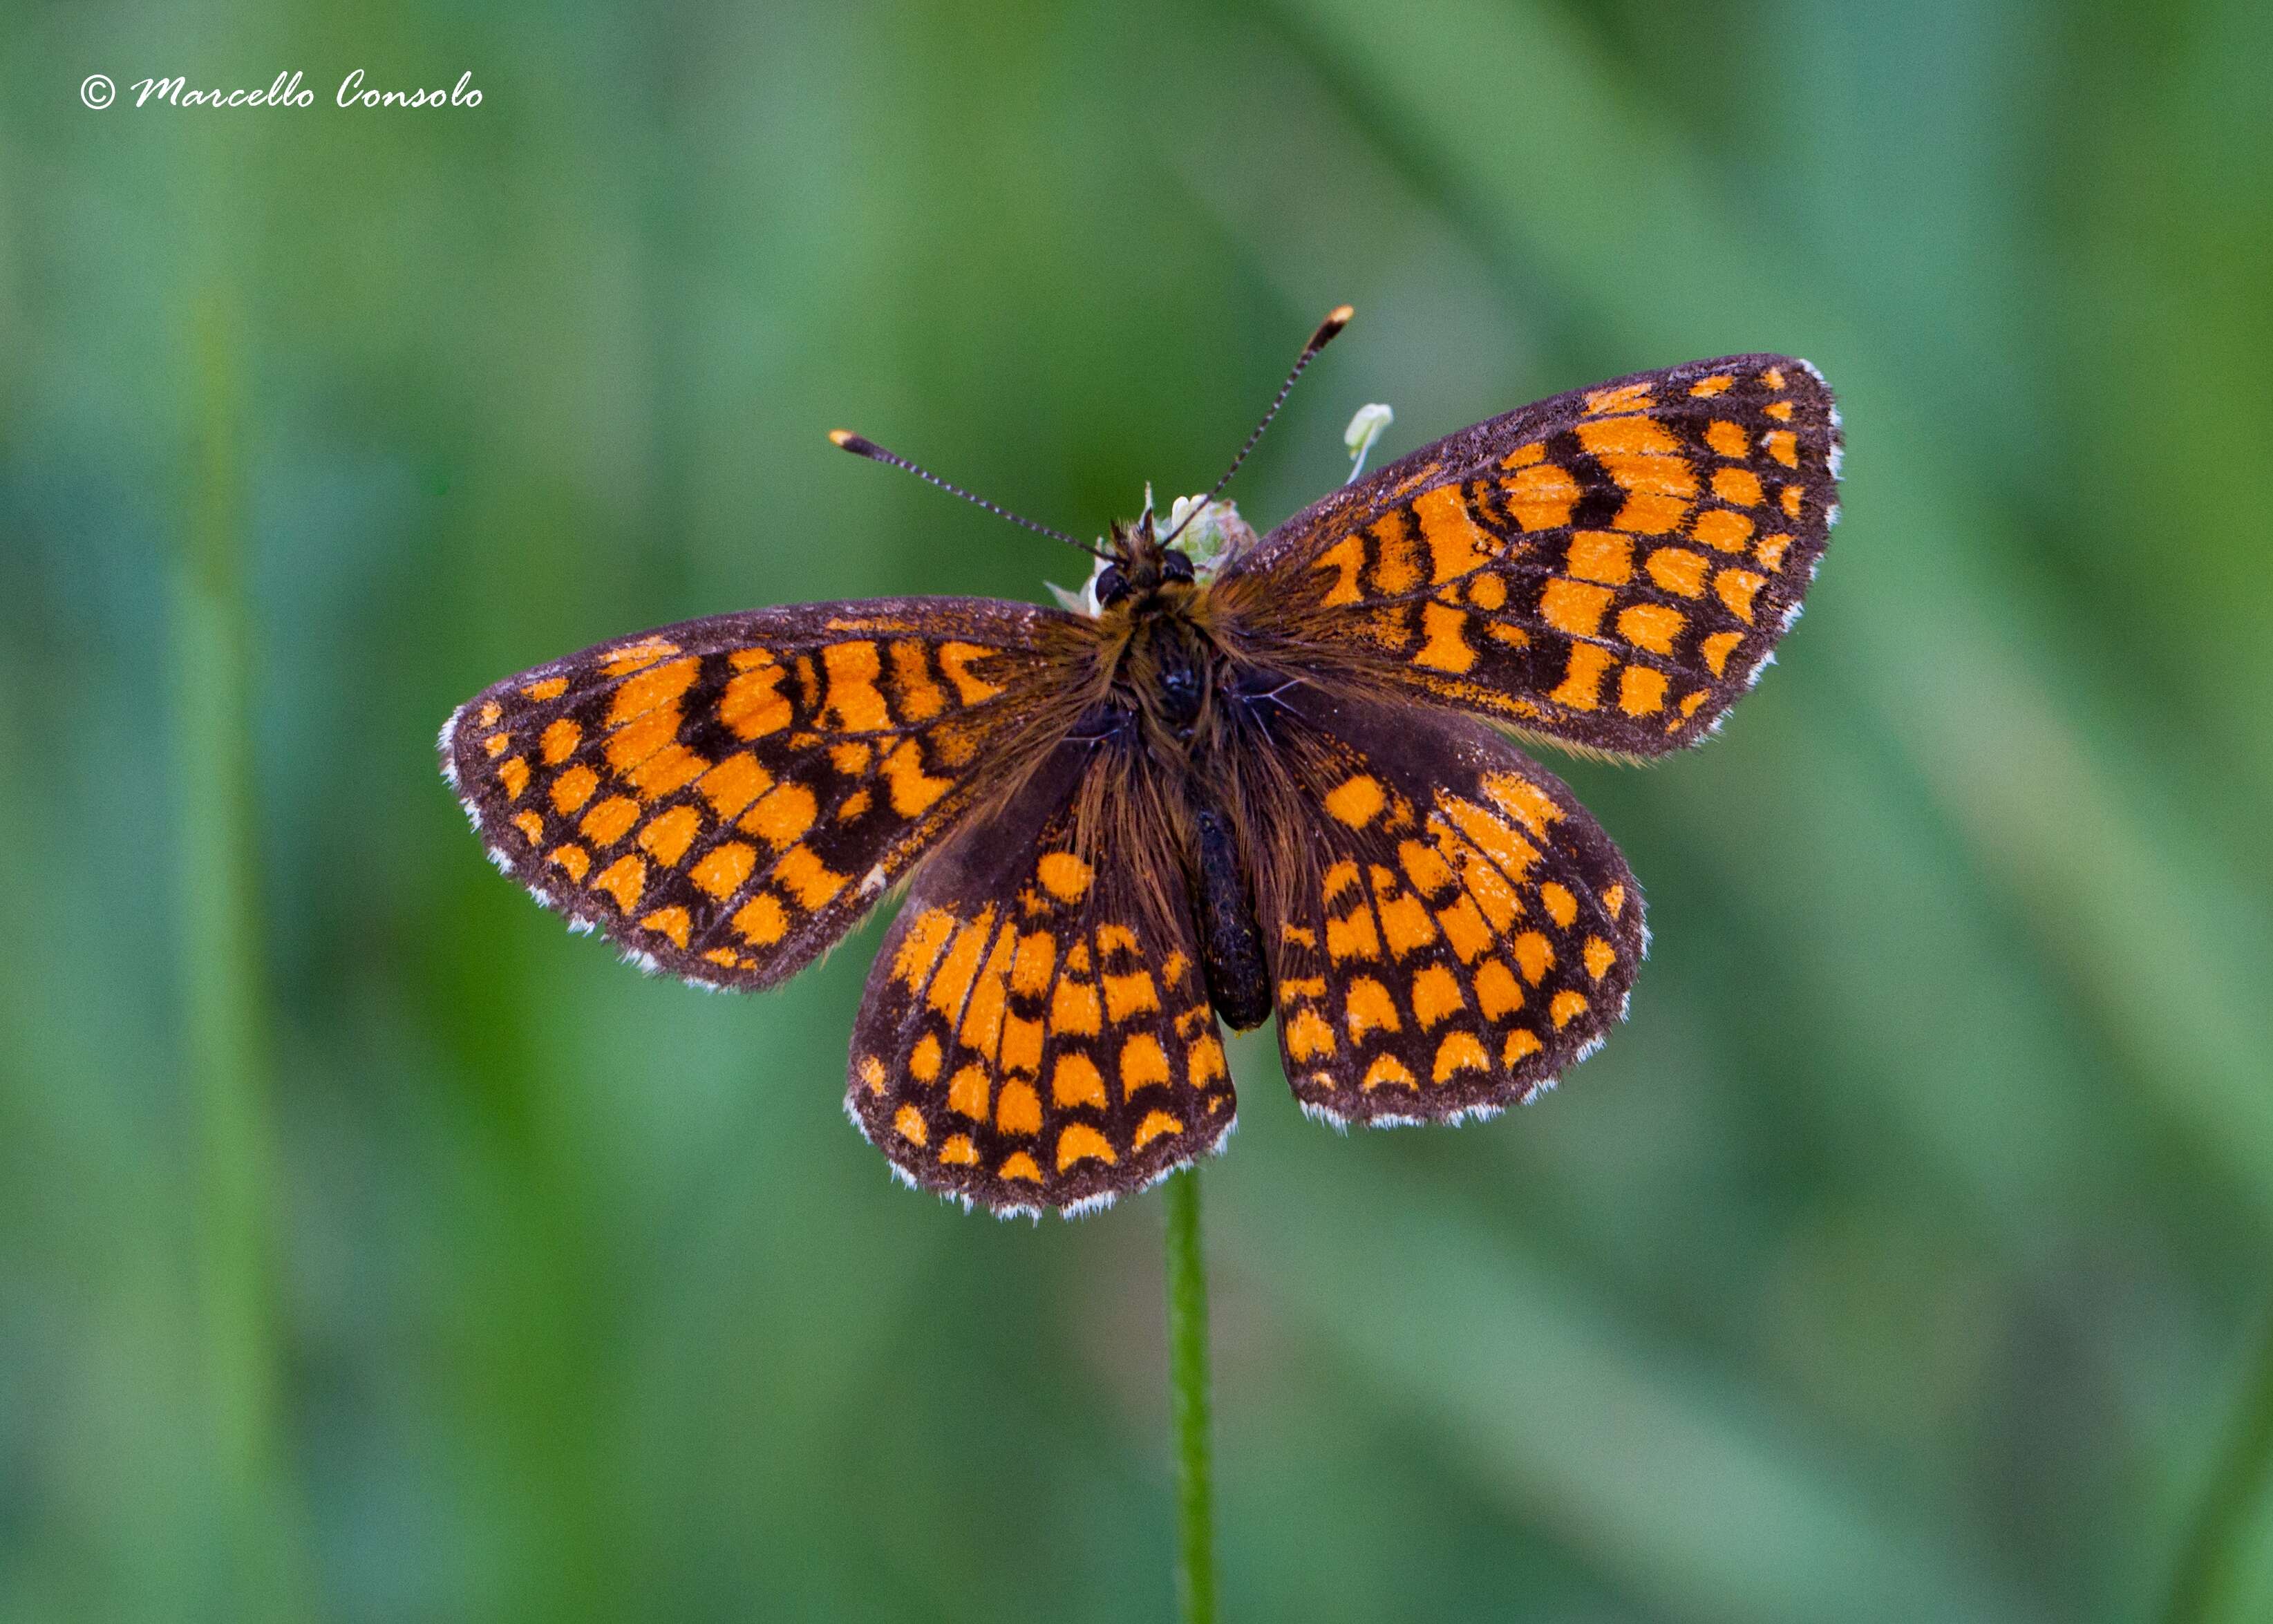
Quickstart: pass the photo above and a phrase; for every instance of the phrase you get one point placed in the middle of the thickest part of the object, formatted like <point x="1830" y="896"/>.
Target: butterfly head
<point x="1141" y="565"/>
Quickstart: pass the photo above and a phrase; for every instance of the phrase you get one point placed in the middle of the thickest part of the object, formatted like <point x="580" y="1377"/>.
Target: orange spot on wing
<point x="762" y="920"/>
<point x="958" y="1151"/>
<point x="1155" y="1124"/>
<point x="1521" y="1043"/>
<point x="924" y="1059"/>
<point x="783" y="815"/>
<point x="1652" y="626"/>
<point x="1405" y="923"/>
<point x="724" y="867"/>
<point x="909" y="1123"/>
<point x="1368" y="1006"/>
<point x="1561" y="907"/>
<point x="1443" y="649"/>
<point x="1356" y="800"/>
<point x="1464" y="928"/>
<point x="1541" y="496"/>
<point x="623" y="879"/>
<point x="1740" y="486"/>
<point x="1574" y="608"/>
<point x="653" y="690"/>
<point x="1143" y="1064"/>
<point x="1603" y="556"/>
<point x="551" y="688"/>
<point x="1677" y="569"/>
<point x="1129" y="995"/>
<point x="1649" y="512"/>
<point x="1534" y="957"/>
<point x="1727" y="438"/>
<point x="1600" y="956"/>
<point x="751" y="707"/>
<point x="513" y="772"/>
<point x="610" y="820"/>
<point x="1641" y="691"/>
<point x="1735" y="589"/>
<point x="1344" y="557"/>
<point x="530" y="825"/>
<point x="573" y="788"/>
<point x="1075" y="1009"/>
<point x="574" y="858"/>
<point x="956" y="658"/>
<point x="733" y="783"/>
<point x="1388" y="1070"/>
<point x="1204" y="1062"/>
<point x="1037" y="956"/>
<point x="852" y="670"/>
<point x="969" y="1093"/>
<point x="633" y="656"/>
<point x="1718" y="648"/>
<point x="1021" y="1167"/>
<point x="812" y="882"/>
<point x="1436" y="995"/>
<point x="1498" y="993"/>
<point x="1082" y="1142"/>
<point x="1460" y="1052"/>
<point x="1063" y="875"/>
<point x="1076" y="1080"/>
<point x="669" y="833"/>
<point x="1705" y="388"/>
<point x="1308" y="1035"/>
<point x="561" y="741"/>
<point x="672" y="923"/>
<point x="1582" y="682"/>
<point x="912" y="789"/>
<point x="1566" y="1007"/>
<point x="1456" y="545"/>
<point x="1783" y="446"/>
<point x="1017" y="1111"/>
<point x="1624" y="398"/>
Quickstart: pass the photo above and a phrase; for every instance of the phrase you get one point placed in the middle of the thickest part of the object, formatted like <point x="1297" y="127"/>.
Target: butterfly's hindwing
<point x="1452" y="930"/>
<point x="1609" y="569"/>
<point x="727" y="797"/>
<point x="1036" y="1031"/>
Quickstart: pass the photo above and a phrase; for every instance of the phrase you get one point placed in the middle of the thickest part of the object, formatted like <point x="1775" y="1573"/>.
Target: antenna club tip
<point x="845" y="437"/>
<point x="1337" y="319"/>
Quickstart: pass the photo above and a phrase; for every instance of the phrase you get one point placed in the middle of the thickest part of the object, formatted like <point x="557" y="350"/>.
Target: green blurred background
<point x="371" y="1250"/>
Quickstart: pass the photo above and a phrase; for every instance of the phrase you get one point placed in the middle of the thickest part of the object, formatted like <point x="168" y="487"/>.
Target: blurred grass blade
<point x="227" y="1039"/>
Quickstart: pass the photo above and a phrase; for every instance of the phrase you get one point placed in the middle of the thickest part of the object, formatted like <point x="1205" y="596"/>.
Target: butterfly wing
<point x="1451" y="928"/>
<point x="1036" y="1031"/>
<point x="1609" y="569"/>
<point x="725" y="798"/>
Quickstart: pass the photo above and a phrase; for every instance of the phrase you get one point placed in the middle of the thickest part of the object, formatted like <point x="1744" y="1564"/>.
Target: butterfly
<point x="1283" y="782"/>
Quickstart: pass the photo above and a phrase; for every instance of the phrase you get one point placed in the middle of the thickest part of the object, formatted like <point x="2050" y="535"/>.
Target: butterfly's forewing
<point x="1036" y="1031"/>
<point x="1452" y="929"/>
<point x="727" y="797"/>
<point x="1611" y="568"/>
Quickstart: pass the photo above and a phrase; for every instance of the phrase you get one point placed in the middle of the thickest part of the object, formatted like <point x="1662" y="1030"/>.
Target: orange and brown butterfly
<point x="1281" y="782"/>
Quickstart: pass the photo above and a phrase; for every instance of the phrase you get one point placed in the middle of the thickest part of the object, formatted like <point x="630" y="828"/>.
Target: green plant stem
<point x="2205" y="1569"/>
<point x="1189" y="1408"/>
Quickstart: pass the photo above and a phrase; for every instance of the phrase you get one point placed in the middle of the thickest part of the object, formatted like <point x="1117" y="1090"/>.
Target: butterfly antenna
<point x="1336" y="320"/>
<point x="862" y="447"/>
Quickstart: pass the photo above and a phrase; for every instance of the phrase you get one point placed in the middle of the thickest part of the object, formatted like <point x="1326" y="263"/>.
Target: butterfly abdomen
<point x="1231" y="939"/>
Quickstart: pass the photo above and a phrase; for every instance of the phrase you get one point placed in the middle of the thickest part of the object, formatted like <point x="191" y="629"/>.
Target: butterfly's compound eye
<point x="1112" y="585"/>
<point x="1178" y="566"/>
